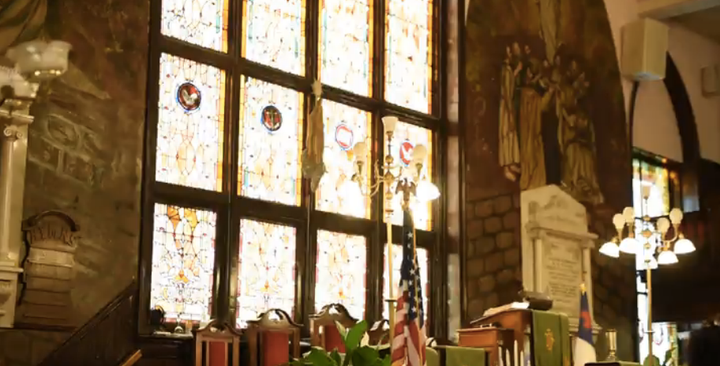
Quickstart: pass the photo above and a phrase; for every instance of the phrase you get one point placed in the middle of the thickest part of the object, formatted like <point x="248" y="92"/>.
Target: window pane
<point x="191" y="113"/>
<point x="275" y="34"/>
<point x="337" y="193"/>
<point x="405" y="138"/>
<point x="657" y="178"/>
<point x="270" y="142"/>
<point x="346" y="45"/>
<point x="422" y="258"/>
<point x="200" y="22"/>
<point x="183" y="262"/>
<point x="267" y="269"/>
<point x="340" y="271"/>
<point x="408" y="52"/>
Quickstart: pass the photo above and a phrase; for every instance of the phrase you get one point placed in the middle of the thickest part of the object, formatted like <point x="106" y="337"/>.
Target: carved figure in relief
<point x="508" y="144"/>
<point x="532" y="173"/>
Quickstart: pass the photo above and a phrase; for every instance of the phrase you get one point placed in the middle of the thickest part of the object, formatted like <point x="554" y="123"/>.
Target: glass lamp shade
<point x="610" y="249"/>
<point x="426" y="191"/>
<point x="667" y="257"/>
<point x="684" y="246"/>
<point x="360" y="152"/>
<point x="389" y="123"/>
<point x="629" y="245"/>
<point x="36" y="58"/>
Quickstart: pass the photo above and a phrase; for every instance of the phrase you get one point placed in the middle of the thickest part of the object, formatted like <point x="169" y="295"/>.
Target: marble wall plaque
<point x="562" y="273"/>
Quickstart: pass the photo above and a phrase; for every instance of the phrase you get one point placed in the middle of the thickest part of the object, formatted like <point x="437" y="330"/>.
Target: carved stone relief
<point x="49" y="265"/>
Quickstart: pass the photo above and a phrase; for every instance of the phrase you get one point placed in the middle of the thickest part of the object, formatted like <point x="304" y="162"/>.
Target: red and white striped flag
<point x="408" y="346"/>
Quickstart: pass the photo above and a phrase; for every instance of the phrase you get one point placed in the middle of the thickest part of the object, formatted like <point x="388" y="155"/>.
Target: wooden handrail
<point x="135" y="357"/>
<point x="90" y="345"/>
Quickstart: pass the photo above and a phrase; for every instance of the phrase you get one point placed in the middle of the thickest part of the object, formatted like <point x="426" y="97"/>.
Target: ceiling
<point x="705" y="22"/>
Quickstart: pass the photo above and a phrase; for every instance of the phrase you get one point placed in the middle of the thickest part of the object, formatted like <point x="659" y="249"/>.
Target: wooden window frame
<point x="232" y="207"/>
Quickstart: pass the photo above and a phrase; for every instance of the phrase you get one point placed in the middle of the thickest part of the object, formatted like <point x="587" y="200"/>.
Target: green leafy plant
<point x="355" y="354"/>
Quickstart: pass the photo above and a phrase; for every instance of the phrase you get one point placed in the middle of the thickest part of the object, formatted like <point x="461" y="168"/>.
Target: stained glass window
<point x="408" y="52"/>
<point x="183" y="262"/>
<point x="200" y="22"/>
<point x="267" y="269"/>
<point x="337" y="193"/>
<point x="422" y="258"/>
<point x="270" y="142"/>
<point x="340" y="271"/>
<point x="405" y="138"/>
<point x="191" y="111"/>
<point x="346" y="45"/>
<point x="275" y="34"/>
<point x="657" y="179"/>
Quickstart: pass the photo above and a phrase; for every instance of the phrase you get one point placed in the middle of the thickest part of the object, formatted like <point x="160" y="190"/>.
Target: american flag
<point x="408" y="346"/>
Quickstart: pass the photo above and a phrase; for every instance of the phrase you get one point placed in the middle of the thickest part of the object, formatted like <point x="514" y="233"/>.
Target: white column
<point x="14" y="122"/>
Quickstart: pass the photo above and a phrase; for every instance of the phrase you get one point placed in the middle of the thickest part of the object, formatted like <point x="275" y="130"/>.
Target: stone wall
<point x="492" y="253"/>
<point x="85" y="149"/>
<point x="494" y="276"/>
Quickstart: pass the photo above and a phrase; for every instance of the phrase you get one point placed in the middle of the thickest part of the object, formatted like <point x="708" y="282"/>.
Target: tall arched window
<point x="230" y="227"/>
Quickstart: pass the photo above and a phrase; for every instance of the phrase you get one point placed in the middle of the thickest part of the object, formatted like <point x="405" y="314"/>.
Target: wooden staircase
<point x="108" y="339"/>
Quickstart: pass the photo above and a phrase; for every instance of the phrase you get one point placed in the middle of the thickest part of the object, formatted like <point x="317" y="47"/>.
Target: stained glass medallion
<point x="405" y="138"/>
<point x="409" y="53"/>
<point x="266" y="269"/>
<point x="275" y="34"/>
<point x="191" y="107"/>
<point x="183" y="262"/>
<point x="337" y="193"/>
<point x="422" y="258"/>
<point x="345" y="42"/>
<point x="270" y="160"/>
<point x="271" y="118"/>
<point x="200" y="22"/>
<point x="340" y="271"/>
<point x="189" y="97"/>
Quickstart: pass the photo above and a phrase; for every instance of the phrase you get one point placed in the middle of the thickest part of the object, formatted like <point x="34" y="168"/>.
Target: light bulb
<point x="676" y="216"/>
<point x="684" y="246"/>
<point x="629" y="245"/>
<point x="610" y="249"/>
<point x="619" y="221"/>
<point x="426" y="191"/>
<point x="663" y="225"/>
<point x="419" y="153"/>
<point x="389" y="122"/>
<point x="629" y="214"/>
<point x="667" y="257"/>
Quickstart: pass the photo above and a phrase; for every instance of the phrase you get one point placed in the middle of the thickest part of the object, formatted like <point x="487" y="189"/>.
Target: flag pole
<point x="391" y="298"/>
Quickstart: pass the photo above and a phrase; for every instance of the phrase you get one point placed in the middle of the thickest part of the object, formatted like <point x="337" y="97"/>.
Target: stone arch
<point x="684" y="115"/>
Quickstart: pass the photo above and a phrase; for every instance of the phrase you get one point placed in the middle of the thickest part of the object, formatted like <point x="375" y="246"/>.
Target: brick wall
<point x="84" y="153"/>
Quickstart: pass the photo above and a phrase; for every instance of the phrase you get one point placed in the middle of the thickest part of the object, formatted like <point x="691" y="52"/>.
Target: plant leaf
<point x="341" y="329"/>
<point x="335" y="356"/>
<point x="318" y="357"/>
<point x="354" y="336"/>
<point x="365" y="356"/>
<point x="386" y="360"/>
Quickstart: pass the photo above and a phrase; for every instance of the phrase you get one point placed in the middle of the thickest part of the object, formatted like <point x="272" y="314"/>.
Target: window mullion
<point x="232" y="135"/>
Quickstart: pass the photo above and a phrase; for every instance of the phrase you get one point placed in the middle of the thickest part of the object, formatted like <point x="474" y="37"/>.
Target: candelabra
<point x="35" y="62"/>
<point x="408" y="181"/>
<point x="664" y="240"/>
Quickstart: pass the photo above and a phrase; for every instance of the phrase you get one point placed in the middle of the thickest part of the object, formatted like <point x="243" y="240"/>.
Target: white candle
<point x="516" y="361"/>
<point x="507" y="357"/>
